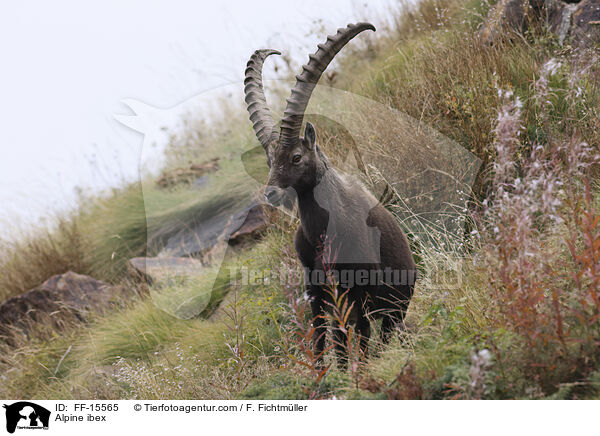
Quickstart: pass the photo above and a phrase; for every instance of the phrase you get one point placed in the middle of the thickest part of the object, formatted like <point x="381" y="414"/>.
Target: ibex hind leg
<point x="340" y="341"/>
<point x="388" y="326"/>
<point x="393" y="321"/>
<point x="340" y="338"/>
<point x="393" y="308"/>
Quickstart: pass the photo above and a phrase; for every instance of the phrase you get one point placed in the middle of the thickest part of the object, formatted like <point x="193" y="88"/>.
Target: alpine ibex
<point x="343" y="229"/>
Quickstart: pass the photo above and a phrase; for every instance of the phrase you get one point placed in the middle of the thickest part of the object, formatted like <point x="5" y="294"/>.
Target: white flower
<point x="485" y="356"/>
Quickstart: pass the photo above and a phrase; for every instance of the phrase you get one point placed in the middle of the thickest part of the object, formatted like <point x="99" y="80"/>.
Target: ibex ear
<point x="310" y="136"/>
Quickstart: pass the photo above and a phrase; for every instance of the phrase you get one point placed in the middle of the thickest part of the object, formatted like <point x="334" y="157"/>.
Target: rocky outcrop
<point x="192" y="175"/>
<point x="182" y="287"/>
<point x="197" y="241"/>
<point x="255" y="223"/>
<point x="163" y="269"/>
<point x="181" y="284"/>
<point x="576" y="22"/>
<point x="60" y="299"/>
<point x="585" y="28"/>
<point x="504" y="18"/>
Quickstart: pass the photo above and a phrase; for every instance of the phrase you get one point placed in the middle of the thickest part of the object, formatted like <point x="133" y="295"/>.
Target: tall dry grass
<point x="31" y="259"/>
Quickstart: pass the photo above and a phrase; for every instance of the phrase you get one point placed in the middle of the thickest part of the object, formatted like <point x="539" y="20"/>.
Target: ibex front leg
<point x="320" y="326"/>
<point x="340" y="339"/>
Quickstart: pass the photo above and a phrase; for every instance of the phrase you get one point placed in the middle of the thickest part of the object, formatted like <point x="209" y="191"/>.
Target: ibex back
<point x="347" y="241"/>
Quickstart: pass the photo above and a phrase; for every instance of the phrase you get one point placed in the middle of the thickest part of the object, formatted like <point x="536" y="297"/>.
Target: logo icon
<point x="26" y="415"/>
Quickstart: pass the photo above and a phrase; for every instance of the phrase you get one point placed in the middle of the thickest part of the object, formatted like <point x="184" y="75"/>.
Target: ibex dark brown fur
<point x="344" y="232"/>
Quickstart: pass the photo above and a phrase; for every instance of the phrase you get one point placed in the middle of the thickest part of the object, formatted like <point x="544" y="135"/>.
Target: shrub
<point x="543" y="239"/>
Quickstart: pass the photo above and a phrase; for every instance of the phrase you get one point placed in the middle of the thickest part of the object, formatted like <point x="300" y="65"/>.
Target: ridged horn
<point x="262" y="121"/>
<point x="307" y="80"/>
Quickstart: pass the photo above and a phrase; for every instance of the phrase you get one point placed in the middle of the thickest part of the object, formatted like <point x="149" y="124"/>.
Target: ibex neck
<point x="313" y="206"/>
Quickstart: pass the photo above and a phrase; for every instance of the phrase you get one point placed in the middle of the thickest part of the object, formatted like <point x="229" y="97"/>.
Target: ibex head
<point x="295" y="162"/>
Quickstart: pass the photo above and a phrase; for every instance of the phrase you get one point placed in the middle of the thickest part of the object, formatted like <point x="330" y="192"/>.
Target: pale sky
<point x="67" y="65"/>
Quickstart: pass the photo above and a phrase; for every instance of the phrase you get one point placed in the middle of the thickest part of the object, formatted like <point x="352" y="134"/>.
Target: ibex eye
<point x="296" y="158"/>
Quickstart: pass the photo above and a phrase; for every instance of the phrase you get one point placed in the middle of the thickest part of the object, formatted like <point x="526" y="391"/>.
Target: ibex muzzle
<point x="275" y="196"/>
<point x="337" y="214"/>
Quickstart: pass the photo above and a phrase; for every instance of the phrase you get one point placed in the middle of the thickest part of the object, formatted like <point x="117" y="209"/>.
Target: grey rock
<point x="255" y="223"/>
<point x="198" y="240"/>
<point x="586" y="23"/>
<point x="577" y="22"/>
<point x="163" y="269"/>
<point x="504" y="18"/>
<point x="62" y="298"/>
<point x="187" y="175"/>
<point x="201" y="182"/>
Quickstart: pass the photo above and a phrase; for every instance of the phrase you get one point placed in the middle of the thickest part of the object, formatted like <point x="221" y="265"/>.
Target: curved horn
<point x="307" y="80"/>
<point x="261" y="118"/>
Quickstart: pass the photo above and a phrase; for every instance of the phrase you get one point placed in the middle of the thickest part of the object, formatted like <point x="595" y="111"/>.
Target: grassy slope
<point x="430" y="67"/>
